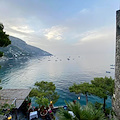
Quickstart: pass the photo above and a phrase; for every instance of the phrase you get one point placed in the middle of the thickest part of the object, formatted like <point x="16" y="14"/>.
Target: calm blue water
<point x="57" y="69"/>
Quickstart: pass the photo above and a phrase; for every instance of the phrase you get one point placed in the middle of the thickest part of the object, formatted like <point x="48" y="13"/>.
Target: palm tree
<point x="91" y="113"/>
<point x="88" y="112"/>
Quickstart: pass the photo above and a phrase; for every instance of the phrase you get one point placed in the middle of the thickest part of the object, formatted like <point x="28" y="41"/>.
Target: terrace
<point x="22" y="109"/>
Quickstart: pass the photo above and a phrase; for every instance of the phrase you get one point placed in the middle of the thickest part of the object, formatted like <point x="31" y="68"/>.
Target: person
<point x="65" y="107"/>
<point x="51" y="105"/>
<point x="74" y="101"/>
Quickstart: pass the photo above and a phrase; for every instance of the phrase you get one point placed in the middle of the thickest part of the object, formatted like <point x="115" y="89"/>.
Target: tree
<point x="102" y="87"/>
<point x="46" y="90"/>
<point x="83" y="88"/>
<point x="42" y="101"/>
<point x="88" y="112"/>
<point x="0" y="86"/>
<point x="4" y="40"/>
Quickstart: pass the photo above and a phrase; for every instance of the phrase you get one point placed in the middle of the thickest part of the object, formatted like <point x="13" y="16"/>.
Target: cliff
<point x="19" y="48"/>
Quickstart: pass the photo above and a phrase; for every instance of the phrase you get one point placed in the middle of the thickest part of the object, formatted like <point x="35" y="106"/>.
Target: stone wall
<point x="116" y="95"/>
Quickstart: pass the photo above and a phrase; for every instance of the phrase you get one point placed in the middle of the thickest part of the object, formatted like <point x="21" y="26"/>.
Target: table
<point x="33" y="115"/>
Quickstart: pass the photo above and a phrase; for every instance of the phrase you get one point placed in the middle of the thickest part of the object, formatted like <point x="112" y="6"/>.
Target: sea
<point x="62" y="70"/>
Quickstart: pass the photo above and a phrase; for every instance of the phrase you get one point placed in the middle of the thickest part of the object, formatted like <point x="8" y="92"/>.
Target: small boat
<point x="112" y="65"/>
<point x="112" y="68"/>
<point x="107" y="71"/>
<point x="68" y="58"/>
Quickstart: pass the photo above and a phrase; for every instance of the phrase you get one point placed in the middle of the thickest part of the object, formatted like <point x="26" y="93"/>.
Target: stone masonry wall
<point x="116" y="95"/>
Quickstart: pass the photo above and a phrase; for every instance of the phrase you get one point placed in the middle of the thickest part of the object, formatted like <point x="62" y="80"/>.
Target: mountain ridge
<point x="19" y="48"/>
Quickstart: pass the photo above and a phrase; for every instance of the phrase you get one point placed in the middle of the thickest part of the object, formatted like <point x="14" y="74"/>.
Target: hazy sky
<point x="63" y="26"/>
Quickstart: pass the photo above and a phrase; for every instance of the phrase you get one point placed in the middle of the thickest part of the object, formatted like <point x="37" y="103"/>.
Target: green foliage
<point x="88" y="112"/>
<point x="4" y="41"/>
<point x="7" y="107"/>
<point x="91" y="113"/>
<point x="101" y="87"/>
<point x="46" y="90"/>
<point x="75" y="88"/>
<point x="4" y="38"/>
<point x="83" y="88"/>
<point x="98" y="105"/>
<point x="75" y="108"/>
<point x="0" y="86"/>
<point x="105" y="86"/>
<point x="1" y="26"/>
<point x="42" y="101"/>
<point x="64" y="115"/>
<point x="1" y="54"/>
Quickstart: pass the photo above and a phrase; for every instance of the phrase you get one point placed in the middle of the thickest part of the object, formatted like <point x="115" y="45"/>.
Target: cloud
<point x="55" y="32"/>
<point x="23" y="29"/>
<point x="101" y="34"/>
<point x="94" y="36"/>
<point x="50" y="28"/>
<point x="84" y="11"/>
<point x="18" y="27"/>
<point x="99" y="41"/>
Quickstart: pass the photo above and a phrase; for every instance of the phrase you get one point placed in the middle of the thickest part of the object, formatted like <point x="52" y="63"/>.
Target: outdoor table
<point x="33" y="115"/>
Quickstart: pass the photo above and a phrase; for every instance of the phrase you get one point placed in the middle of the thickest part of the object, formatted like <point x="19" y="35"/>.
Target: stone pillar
<point x="116" y="95"/>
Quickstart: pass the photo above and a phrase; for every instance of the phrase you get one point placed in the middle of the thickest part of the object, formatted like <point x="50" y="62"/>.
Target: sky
<point x="63" y="26"/>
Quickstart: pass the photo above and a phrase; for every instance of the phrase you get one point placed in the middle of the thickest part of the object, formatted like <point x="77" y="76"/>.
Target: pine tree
<point x="83" y="88"/>
<point x="101" y="87"/>
<point x="46" y="90"/>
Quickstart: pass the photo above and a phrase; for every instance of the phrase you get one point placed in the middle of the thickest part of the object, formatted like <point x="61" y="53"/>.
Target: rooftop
<point x="14" y="96"/>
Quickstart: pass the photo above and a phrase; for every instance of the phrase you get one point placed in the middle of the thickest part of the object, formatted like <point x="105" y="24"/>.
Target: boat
<point x="107" y="71"/>
<point x="112" y="65"/>
<point x="112" y="68"/>
<point x="68" y="58"/>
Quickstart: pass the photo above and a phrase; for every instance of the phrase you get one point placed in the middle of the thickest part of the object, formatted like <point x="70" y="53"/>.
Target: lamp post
<point x="51" y="105"/>
<point x="79" y="98"/>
